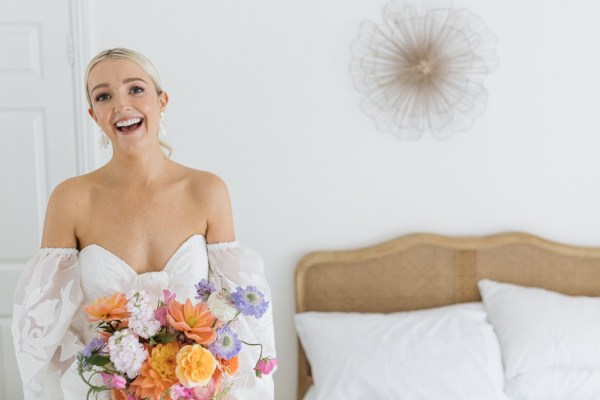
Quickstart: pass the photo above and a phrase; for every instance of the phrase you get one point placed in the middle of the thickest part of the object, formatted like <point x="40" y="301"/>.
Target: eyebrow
<point x="124" y="81"/>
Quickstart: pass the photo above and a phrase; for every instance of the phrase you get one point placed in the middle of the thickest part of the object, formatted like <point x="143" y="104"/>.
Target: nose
<point x="121" y="103"/>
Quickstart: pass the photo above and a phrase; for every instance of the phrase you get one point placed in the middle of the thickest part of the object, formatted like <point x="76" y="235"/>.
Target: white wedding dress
<point x="49" y="326"/>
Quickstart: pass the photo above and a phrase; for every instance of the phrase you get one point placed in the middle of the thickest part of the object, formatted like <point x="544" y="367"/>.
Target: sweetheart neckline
<point x="163" y="269"/>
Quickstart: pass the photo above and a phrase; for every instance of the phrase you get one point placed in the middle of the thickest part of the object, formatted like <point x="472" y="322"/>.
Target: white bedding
<point x="518" y="344"/>
<point x="550" y="342"/>
<point x="444" y="353"/>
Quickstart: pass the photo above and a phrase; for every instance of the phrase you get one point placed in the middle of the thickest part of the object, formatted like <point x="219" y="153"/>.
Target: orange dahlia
<point x="107" y="308"/>
<point x="195" y="321"/>
<point x="158" y="372"/>
<point x="195" y="365"/>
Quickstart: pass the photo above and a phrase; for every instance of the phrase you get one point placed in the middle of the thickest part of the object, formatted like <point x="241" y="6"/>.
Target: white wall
<point x="261" y="95"/>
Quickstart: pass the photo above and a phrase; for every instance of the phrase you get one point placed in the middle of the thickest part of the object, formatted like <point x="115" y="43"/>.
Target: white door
<point x="38" y="143"/>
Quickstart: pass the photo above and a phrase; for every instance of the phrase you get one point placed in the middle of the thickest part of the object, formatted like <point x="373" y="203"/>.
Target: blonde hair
<point x="120" y="53"/>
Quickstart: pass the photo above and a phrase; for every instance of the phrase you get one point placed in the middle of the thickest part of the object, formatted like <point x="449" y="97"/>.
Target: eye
<point x="102" y="97"/>
<point x="136" y="90"/>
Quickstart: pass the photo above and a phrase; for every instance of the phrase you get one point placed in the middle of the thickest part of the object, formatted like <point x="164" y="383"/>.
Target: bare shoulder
<point x="61" y="213"/>
<point x="206" y="185"/>
<point x="213" y="195"/>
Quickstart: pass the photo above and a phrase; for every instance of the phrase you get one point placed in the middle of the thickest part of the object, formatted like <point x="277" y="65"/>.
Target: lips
<point x="129" y="125"/>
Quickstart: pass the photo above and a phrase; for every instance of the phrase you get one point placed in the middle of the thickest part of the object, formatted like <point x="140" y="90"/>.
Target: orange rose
<point x="217" y="375"/>
<point x="107" y="308"/>
<point x="195" y="321"/>
<point x="230" y="366"/>
<point x="195" y="365"/>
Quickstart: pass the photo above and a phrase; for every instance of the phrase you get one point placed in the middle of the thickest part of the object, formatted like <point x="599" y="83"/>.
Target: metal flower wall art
<point x="423" y="69"/>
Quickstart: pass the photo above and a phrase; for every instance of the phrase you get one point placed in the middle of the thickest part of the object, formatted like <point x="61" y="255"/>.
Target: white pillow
<point x="555" y="384"/>
<point x="443" y="353"/>
<point x="550" y="342"/>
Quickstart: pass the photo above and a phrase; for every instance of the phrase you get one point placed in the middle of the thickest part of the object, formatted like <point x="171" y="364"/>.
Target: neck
<point x="138" y="171"/>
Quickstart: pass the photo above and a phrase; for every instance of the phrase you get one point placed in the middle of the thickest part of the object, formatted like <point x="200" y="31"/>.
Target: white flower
<point x="221" y="306"/>
<point x="126" y="353"/>
<point x="142" y="320"/>
<point x="138" y="304"/>
<point x="145" y="329"/>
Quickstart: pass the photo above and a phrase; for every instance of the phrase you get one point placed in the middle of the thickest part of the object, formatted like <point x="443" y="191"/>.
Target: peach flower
<point x="205" y="392"/>
<point x="109" y="308"/>
<point x="195" y="365"/>
<point x="196" y="321"/>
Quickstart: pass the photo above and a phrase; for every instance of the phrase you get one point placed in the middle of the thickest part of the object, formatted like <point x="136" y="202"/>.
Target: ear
<point x="91" y="112"/>
<point x="163" y="100"/>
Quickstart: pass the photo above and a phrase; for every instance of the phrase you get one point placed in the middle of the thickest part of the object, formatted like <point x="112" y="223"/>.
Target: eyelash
<point x="101" y="97"/>
<point x="134" y="90"/>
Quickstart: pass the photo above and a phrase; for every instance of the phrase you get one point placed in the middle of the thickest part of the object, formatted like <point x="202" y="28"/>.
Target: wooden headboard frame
<point x="425" y="270"/>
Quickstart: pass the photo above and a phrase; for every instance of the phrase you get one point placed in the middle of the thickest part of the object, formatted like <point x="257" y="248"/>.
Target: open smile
<point x="129" y="125"/>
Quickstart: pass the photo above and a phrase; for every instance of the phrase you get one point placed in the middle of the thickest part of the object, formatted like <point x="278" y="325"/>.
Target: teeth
<point x="128" y="122"/>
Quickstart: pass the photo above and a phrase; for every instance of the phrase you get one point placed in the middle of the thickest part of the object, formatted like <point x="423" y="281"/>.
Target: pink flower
<point x="178" y="391"/>
<point x="205" y="392"/>
<point x="168" y="296"/>
<point x="160" y="315"/>
<point x="264" y="366"/>
<point x="113" y="381"/>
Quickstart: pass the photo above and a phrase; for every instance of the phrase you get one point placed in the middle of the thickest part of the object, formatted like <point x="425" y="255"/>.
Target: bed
<point x="425" y="271"/>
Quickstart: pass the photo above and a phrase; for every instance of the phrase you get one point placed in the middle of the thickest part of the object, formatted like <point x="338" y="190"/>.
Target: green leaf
<point x="164" y="337"/>
<point x="98" y="360"/>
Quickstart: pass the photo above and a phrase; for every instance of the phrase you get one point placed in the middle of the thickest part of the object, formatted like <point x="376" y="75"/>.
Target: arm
<point x="232" y="265"/>
<point x="59" y="223"/>
<point x="46" y="299"/>
<point x="218" y="211"/>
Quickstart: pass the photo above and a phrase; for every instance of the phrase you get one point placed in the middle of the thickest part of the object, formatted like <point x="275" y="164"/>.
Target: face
<point x="125" y="103"/>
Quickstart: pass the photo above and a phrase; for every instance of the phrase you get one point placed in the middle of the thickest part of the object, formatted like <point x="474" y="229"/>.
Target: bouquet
<point x="170" y="351"/>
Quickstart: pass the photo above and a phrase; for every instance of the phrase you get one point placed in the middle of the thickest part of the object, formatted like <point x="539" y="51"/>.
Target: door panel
<point x="37" y="132"/>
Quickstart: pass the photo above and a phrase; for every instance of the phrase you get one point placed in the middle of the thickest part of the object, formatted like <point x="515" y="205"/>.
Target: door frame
<point x="79" y="55"/>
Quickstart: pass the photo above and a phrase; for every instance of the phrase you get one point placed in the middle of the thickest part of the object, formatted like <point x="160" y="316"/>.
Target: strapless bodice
<point x="103" y="273"/>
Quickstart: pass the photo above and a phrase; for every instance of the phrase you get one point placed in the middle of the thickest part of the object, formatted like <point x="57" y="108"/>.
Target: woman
<point x="141" y="221"/>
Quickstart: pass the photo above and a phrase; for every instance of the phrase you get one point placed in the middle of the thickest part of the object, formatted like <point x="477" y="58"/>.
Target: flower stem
<point x="255" y="344"/>
<point x="234" y="318"/>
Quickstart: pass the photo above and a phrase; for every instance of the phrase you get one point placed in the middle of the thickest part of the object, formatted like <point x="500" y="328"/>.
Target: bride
<point x="140" y="221"/>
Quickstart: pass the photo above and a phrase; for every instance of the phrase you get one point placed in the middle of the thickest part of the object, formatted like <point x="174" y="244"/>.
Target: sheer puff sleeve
<point x="46" y="298"/>
<point x="232" y="265"/>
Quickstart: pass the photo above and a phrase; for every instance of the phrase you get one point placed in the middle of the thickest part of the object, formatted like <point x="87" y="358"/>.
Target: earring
<point x="103" y="142"/>
<point x="162" y="129"/>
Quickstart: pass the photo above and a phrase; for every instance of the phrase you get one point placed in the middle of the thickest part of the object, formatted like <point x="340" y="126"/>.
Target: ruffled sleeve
<point x="46" y="298"/>
<point x="232" y="265"/>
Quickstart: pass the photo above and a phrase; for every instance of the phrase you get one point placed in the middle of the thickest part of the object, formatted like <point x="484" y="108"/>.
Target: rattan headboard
<point x="425" y="270"/>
